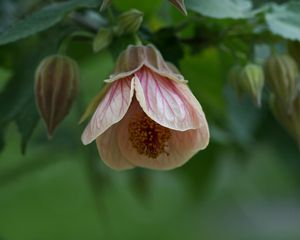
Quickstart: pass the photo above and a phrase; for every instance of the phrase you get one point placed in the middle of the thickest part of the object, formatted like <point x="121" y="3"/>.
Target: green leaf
<point x="4" y="77"/>
<point x="234" y="9"/>
<point x="17" y="104"/>
<point x="284" y="20"/>
<point x="120" y="44"/>
<point x="205" y="74"/>
<point x="168" y="43"/>
<point x="105" y="4"/>
<point x="149" y="8"/>
<point x="26" y="120"/>
<point x="42" y="19"/>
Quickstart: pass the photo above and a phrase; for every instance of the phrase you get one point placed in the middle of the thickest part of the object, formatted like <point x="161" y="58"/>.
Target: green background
<point x="245" y="185"/>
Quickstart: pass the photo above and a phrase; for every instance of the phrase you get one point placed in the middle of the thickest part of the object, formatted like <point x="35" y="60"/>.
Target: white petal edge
<point x="111" y="109"/>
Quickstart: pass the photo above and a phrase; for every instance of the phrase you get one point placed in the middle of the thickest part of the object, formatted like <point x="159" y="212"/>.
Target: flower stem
<point x="137" y="40"/>
<point x="78" y="35"/>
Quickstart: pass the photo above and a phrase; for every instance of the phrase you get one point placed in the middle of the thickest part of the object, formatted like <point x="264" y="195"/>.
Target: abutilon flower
<point x="148" y="116"/>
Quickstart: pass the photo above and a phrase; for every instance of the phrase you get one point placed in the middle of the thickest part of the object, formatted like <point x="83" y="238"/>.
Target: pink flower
<point x="148" y="116"/>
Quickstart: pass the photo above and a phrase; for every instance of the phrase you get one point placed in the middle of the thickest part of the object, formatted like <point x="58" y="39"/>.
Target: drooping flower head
<point x="148" y="116"/>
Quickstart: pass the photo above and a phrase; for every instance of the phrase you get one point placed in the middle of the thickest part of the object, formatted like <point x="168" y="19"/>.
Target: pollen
<point x="148" y="137"/>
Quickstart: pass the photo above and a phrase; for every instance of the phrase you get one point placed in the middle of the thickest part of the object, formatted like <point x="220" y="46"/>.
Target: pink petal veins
<point x="134" y="58"/>
<point x="109" y="150"/>
<point x="110" y="110"/>
<point x="169" y="103"/>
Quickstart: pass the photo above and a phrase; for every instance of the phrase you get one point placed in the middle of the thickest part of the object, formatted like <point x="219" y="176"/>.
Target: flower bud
<point x="56" y="83"/>
<point x="129" y="22"/>
<point x="102" y="40"/>
<point x="253" y="80"/>
<point x="282" y="76"/>
<point x="179" y="4"/>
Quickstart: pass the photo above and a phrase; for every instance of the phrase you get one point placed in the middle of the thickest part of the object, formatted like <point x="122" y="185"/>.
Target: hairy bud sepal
<point x="129" y="22"/>
<point x="102" y="40"/>
<point x="56" y="82"/>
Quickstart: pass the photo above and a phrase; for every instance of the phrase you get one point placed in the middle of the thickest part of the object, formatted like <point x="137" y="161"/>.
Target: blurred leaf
<point x="7" y="13"/>
<point x="205" y="75"/>
<point x="4" y="77"/>
<point x="105" y="4"/>
<point x="200" y="170"/>
<point x="243" y="118"/>
<point x="284" y="20"/>
<point x="26" y="121"/>
<point x="235" y="9"/>
<point x="120" y="44"/>
<point x="42" y="19"/>
<point x="168" y="43"/>
<point x="15" y="107"/>
<point x="149" y="8"/>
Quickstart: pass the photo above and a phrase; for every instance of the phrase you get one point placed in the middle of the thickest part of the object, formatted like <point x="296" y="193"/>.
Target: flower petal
<point x="134" y="58"/>
<point x="179" y="4"/>
<point x="111" y="109"/>
<point x="169" y="103"/>
<point x="180" y="148"/>
<point x="109" y="150"/>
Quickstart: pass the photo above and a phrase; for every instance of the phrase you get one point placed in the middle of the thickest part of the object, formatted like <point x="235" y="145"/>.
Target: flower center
<point x="148" y="137"/>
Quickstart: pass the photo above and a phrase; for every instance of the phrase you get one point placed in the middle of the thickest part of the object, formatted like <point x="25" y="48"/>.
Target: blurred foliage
<point x="244" y="186"/>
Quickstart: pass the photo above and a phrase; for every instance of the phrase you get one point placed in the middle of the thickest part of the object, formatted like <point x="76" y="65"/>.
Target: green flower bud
<point x="56" y="83"/>
<point x="282" y="76"/>
<point x="102" y="40"/>
<point x="129" y="22"/>
<point x="253" y="80"/>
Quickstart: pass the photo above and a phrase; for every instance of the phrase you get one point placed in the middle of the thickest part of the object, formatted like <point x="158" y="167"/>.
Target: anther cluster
<point x="148" y="137"/>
